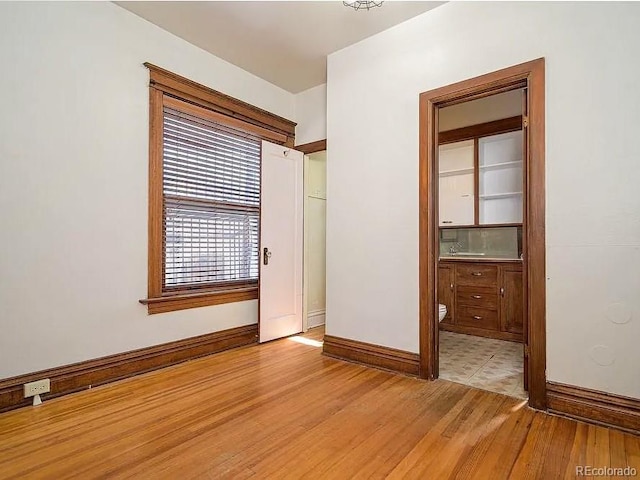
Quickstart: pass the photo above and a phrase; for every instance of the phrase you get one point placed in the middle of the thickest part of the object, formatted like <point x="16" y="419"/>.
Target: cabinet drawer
<point x="477" y="317"/>
<point x="484" y="297"/>
<point x="477" y="274"/>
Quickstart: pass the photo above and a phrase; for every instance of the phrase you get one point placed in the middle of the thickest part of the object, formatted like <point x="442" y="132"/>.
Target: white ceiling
<point x="285" y="43"/>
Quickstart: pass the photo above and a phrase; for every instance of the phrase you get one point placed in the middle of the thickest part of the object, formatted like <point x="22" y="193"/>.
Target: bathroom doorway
<point x="480" y="221"/>
<point x="482" y="232"/>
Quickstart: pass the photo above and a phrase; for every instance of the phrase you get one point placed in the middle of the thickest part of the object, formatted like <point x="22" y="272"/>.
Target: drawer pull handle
<point x="477" y="317"/>
<point x="476" y="296"/>
<point x="447" y="221"/>
<point x="476" y="274"/>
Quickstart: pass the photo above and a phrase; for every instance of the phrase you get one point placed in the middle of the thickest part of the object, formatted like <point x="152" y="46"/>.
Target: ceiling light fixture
<point x="362" y="4"/>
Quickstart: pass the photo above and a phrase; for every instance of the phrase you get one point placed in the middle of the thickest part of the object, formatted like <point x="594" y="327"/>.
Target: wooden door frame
<point x="530" y="75"/>
<point x="312" y="147"/>
<point x="307" y="149"/>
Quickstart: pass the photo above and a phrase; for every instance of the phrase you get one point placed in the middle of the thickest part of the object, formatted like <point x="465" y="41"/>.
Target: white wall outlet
<point x="37" y="388"/>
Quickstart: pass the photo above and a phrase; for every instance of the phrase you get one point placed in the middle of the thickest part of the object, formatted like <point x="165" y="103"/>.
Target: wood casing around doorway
<point x="531" y="76"/>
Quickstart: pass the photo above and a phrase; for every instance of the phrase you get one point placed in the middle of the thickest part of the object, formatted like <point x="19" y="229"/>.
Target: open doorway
<point x="480" y="221"/>
<point x="528" y="255"/>
<point x="315" y="220"/>
<point x="315" y="214"/>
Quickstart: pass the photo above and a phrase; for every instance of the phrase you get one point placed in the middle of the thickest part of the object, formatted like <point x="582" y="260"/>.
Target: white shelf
<point x="496" y="166"/>
<point x="493" y="196"/>
<point x="460" y="171"/>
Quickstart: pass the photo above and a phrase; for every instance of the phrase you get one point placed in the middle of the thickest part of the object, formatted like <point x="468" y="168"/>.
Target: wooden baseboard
<point x="594" y="407"/>
<point x="372" y="355"/>
<point x="79" y="376"/>
<point x="480" y="332"/>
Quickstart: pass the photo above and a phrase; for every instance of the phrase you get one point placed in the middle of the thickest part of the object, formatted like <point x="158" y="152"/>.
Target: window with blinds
<point x="211" y="203"/>
<point x="204" y="193"/>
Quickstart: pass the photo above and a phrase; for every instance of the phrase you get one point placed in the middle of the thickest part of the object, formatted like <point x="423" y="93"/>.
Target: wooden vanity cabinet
<point x="482" y="298"/>
<point x="511" y="300"/>
<point x="446" y="282"/>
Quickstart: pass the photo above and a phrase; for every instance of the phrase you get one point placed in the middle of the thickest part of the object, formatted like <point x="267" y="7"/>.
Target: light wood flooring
<point x="282" y="410"/>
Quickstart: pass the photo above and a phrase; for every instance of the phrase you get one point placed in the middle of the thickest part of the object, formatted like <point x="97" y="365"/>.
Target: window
<point x="211" y="192"/>
<point x="204" y="194"/>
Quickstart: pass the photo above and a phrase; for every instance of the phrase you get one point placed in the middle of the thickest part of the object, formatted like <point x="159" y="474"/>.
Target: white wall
<point x="592" y="162"/>
<point x="73" y="181"/>
<point x="311" y="115"/>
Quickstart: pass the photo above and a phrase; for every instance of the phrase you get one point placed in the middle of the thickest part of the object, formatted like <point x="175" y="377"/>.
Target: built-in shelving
<point x="459" y="171"/>
<point x="496" y="166"/>
<point x="500" y="178"/>
<point x="491" y="196"/>
<point x="480" y="180"/>
<point x="490" y="225"/>
<point x="456" y="183"/>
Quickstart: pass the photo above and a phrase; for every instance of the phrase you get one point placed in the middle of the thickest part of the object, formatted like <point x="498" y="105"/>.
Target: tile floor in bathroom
<point x="485" y="363"/>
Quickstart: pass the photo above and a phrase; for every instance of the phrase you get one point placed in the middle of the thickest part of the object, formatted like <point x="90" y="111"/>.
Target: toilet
<point x="442" y="311"/>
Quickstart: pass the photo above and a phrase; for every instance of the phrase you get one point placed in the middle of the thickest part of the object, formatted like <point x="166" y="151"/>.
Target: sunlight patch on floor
<point x="519" y="406"/>
<point x="306" y="341"/>
<point x="485" y="429"/>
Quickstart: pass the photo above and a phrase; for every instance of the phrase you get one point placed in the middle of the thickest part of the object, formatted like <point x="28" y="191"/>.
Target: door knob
<point x="266" y="255"/>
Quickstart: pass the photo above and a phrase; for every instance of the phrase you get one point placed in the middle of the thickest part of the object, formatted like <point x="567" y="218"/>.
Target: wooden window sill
<point x="182" y="301"/>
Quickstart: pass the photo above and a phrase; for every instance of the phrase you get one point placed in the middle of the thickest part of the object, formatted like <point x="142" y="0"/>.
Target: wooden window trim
<point x="180" y="87"/>
<point x="207" y="114"/>
<point x="169" y="89"/>
<point x="182" y="301"/>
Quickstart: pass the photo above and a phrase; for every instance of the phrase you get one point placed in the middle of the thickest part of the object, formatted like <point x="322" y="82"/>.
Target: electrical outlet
<point x="37" y="388"/>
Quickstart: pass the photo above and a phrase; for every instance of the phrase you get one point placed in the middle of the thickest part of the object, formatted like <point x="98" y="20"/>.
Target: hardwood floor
<point x="282" y="410"/>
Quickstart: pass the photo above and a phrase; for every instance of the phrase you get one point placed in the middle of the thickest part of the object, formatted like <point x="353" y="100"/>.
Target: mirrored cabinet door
<point x="500" y="178"/>
<point x="456" y="187"/>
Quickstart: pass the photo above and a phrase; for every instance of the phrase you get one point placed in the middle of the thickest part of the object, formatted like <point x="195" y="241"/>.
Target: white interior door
<point x="281" y="234"/>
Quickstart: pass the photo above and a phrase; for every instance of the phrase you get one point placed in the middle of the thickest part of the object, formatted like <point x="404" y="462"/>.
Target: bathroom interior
<point x="480" y="264"/>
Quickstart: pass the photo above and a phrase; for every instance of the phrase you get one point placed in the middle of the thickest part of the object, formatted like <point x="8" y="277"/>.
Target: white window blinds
<point x="211" y="193"/>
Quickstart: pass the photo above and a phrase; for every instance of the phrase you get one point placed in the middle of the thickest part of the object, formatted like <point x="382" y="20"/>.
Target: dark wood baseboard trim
<point x="593" y="406"/>
<point x="79" y="376"/>
<point x="312" y="147"/>
<point x="372" y="355"/>
<point x="481" y="332"/>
